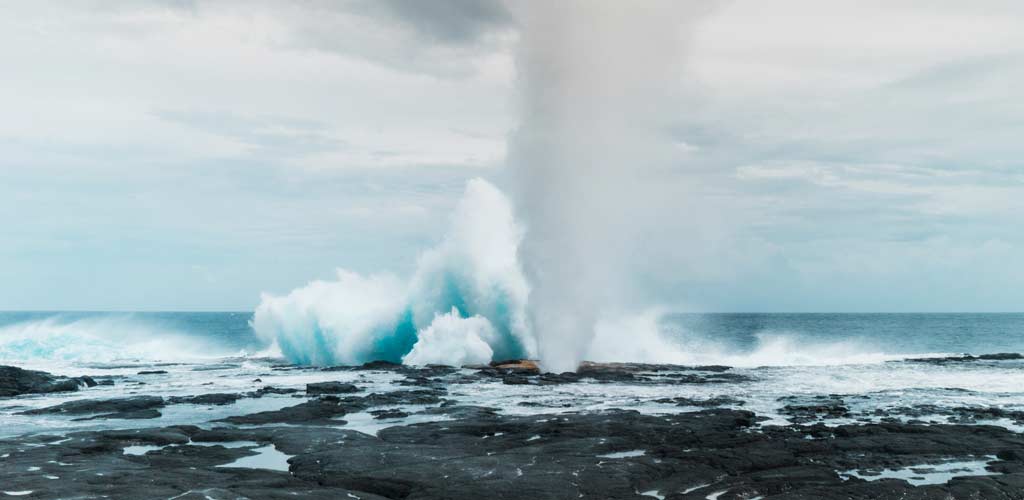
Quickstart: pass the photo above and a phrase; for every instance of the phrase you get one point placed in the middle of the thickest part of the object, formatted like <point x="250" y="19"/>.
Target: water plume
<point x="598" y="83"/>
<point x="589" y="162"/>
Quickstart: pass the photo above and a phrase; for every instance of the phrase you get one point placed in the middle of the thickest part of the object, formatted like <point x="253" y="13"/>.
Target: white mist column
<point x="597" y="80"/>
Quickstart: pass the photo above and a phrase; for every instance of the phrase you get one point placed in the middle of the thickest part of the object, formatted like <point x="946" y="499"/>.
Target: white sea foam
<point x="454" y="340"/>
<point x="101" y="339"/>
<point x="923" y="474"/>
<point x="785" y="349"/>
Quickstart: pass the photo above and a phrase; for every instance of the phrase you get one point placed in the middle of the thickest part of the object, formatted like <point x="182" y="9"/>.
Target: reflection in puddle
<point x="268" y="458"/>
<point x="141" y="449"/>
<point x="367" y="423"/>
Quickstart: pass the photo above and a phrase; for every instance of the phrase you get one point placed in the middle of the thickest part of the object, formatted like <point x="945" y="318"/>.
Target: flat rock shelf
<point x="413" y="437"/>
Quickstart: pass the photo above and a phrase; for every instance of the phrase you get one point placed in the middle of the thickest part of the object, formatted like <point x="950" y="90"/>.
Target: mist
<point x="598" y="87"/>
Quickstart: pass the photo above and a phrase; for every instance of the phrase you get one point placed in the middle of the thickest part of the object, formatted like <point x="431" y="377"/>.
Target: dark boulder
<point x="388" y="414"/>
<point x="319" y="388"/>
<point x="206" y="399"/>
<point x="105" y="406"/>
<point x="15" y="381"/>
<point x="322" y="411"/>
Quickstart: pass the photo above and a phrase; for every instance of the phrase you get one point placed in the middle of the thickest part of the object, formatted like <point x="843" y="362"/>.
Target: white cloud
<point x="930" y="191"/>
<point x="144" y="138"/>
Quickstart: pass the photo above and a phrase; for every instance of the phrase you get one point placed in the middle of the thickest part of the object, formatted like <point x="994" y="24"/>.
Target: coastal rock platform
<point x="438" y="447"/>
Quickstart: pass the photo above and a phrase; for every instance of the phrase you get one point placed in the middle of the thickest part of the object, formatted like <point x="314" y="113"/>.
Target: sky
<point x="189" y="155"/>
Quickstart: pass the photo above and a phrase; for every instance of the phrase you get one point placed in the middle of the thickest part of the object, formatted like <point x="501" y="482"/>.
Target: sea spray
<point x="454" y="340"/>
<point x="594" y="177"/>
<point x="469" y="288"/>
<point x="97" y="338"/>
<point x="598" y="83"/>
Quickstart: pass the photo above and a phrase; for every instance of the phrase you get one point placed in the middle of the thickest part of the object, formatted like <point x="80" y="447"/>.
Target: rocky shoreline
<point x="720" y="451"/>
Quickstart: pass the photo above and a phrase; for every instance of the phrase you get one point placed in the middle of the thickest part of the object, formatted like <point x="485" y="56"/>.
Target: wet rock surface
<point x="804" y="410"/>
<point x="15" y="381"/>
<point x="613" y="454"/>
<point x="330" y="388"/>
<point x="128" y="408"/>
<point x="968" y="358"/>
<point x="207" y="399"/>
<point x="717" y="401"/>
<point x="460" y="451"/>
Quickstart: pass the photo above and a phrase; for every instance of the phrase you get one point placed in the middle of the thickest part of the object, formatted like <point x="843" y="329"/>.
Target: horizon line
<point x="250" y="311"/>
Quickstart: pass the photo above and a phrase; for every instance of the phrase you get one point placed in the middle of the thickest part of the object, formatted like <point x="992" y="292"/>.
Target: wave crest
<point x="473" y="273"/>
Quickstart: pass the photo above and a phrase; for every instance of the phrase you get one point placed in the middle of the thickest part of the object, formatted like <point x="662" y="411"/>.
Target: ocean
<point x="871" y="356"/>
<point x="36" y="336"/>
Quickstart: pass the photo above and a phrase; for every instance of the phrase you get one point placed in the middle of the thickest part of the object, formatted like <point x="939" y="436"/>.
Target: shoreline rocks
<point x="423" y="441"/>
<point x="719" y="453"/>
<point x="16" y="381"/>
<point x="136" y="407"/>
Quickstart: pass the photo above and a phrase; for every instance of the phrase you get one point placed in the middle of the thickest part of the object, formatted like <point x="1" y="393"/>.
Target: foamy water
<point x="214" y="353"/>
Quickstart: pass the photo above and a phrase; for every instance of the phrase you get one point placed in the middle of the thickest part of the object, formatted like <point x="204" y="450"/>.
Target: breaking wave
<point x="466" y="301"/>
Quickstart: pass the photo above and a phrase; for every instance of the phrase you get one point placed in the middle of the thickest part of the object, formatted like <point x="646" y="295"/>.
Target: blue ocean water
<point x="784" y="356"/>
<point x="102" y="335"/>
<point x="906" y="333"/>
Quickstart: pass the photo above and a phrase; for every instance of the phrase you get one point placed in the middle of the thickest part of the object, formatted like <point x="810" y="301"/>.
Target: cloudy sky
<point x="187" y="155"/>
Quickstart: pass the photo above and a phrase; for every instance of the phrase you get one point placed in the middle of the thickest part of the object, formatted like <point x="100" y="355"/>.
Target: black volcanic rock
<point x="322" y="411"/>
<point x="15" y="381"/>
<point x="483" y="454"/>
<point x="109" y="407"/>
<point x="380" y="365"/>
<point x="318" y="388"/>
<point x="263" y="391"/>
<point x="206" y="399"/>
<point x="386" y="414"/>
<point x="326" y="410"/>
<point x="401" y="397"/>
<point x="702" y="403"/>
<point x="968" y="358"/>
<point x="460" y="451"/>
<point x="515" y="380"/>
<point x="520" y="372"/>
<point x="125" y="415"/>
<point x="808" y="410"/>
<point x="954" y="414"/>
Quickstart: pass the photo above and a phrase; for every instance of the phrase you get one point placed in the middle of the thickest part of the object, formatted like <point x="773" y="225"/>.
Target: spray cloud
<point x="598" y="80"/>
<point x="595" y="186"/>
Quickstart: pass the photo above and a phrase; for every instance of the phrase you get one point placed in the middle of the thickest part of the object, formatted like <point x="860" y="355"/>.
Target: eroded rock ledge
<point x="612" y="454"/>
<point x="15" y="381"/>
<point x="478" y="452"/>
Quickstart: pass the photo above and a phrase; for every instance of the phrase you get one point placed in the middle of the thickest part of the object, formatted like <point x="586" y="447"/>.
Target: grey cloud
<point x="442" y="38"/>
<point x="447" y="21"/>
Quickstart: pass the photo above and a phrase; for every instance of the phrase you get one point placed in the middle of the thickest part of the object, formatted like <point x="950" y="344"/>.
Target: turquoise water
<point x="71" y="336"/>
<point x="859" y="356"/>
